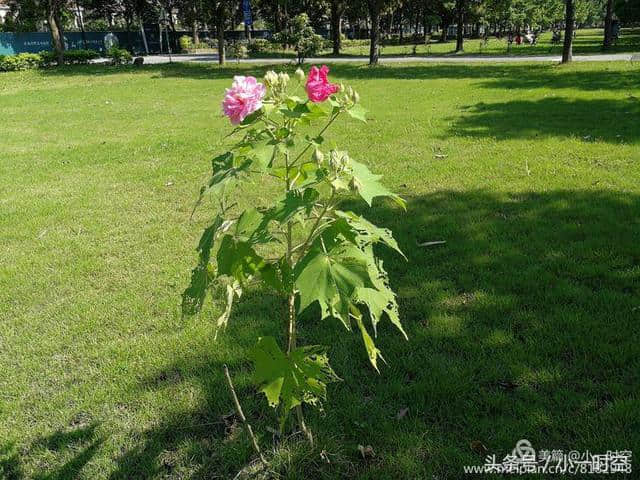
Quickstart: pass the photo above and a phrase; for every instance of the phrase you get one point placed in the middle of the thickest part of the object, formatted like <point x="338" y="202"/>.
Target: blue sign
<point x="246" y="10"/>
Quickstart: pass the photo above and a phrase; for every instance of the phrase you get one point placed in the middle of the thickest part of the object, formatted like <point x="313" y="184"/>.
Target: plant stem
<point x="240" y="413"/>
<point x="291" y="344"/>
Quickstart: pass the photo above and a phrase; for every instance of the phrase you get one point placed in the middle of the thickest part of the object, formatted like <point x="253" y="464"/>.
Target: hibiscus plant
<point x="301" y="244"/>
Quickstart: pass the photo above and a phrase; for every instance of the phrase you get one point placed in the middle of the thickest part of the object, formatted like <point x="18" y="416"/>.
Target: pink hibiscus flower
<point x="243" y="98"/>
<point x="318" y="86"/>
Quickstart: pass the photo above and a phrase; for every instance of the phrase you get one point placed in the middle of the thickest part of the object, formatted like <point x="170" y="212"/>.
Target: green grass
<point x="587" y="41"/>
<point x="523" y="325"/>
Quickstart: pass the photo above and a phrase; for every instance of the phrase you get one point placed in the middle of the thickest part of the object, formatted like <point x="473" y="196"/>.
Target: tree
<point x="569" y="19"/>
<point x="337" y="9"/>
<point x="375" y="6"/>
<point x="461" y="6"/>
<point x="219" y="13"/>
<point x="445" y="10"/>
<point x="608" y="26"/>
<point x="627" y="10"/>
<point x="54" y="15"/>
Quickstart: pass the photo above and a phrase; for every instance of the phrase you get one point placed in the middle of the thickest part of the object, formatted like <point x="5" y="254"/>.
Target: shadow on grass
<point x="74" y="446"/>
<point x="498" y="76"/>
<point x="616" y="120"/>
<point x="523" y="325"/>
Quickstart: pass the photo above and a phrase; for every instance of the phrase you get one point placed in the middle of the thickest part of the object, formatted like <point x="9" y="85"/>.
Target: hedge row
<point x="27" y="61"/>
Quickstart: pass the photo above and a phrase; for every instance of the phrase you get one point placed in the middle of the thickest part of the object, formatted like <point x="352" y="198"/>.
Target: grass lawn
<point x="587" y="41"/>
<point x="523" y="325"/>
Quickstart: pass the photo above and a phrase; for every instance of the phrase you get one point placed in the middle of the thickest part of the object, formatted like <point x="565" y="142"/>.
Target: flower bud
<point x="270" y="78"/>
<point x="356" y="97"/>
<point x="349" y="92"/>
<point x="300" y="76"/>
<point x="284" y="79"/>
<point x="318" y="156"/>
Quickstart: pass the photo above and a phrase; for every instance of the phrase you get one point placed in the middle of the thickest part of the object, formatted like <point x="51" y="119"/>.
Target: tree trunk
<point x="220" y="32"/>
<point x="424" y="26"/>
<point x="460" y="7"/>
<point x="569" y="19"/>
<point x="374" y="13"/>
<point x="336" y="30"/>
<point x="194" y="26"/>
<point x="55" y="27"/>
<point x="445" y="28"/>
<point x="144" y="38"/>
<point x="608" y="26"/>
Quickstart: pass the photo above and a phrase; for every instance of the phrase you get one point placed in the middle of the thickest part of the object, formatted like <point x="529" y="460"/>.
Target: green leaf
<point x="252" y="228"/>
<point x="358" y="112"/>
<point x="238" y="259"/>
<point x="193" y="297"/>
<point x="227" y="168"/>
<point x="295" y="201"/>
<point x="379" y="302"/>
<point x="252" y="117"/>
<point x="331" y="279"/>
<point x="380" y="299"/>
<point x="263" y="152"/>
<point x="291" y="380"/>
<point x="372" y="351"/>
<point x="368" y="233"/>
<point x="369" y="187"/>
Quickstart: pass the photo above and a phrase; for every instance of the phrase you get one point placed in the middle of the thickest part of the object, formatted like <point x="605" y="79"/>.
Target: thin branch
<point x="240" y="413"/>
<point x="319" y="134"/>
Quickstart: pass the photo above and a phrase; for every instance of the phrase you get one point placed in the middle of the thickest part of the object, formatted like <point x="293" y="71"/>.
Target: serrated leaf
<point x="372" y="351"/>
<point x="226" y="169"/>
<point x="193" y="297"/>
<point x="238" y="259"/>
<point x="291" y="380"/>
<point x="294" y="201"/>
<point x="252" y="117"/>
<point x="251" y="227"/>
<point x="381" y="299"/>
<point x="263" y="152"/>
<point x="368" y="233"/>
<point x="331" y="279"/>
<point x="369" y="186"/>
<point x="358" y="112"/>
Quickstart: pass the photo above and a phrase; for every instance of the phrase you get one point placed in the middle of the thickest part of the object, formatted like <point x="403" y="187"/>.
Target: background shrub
<point x="22" y="61"/>
<point x="186" y="43"/>
<point x="259" y="45"/>
<point x="238" y="50"/>
<point x="74" y="57"/>
<point x="80" y="56"/>
<point x="119" y="56"/>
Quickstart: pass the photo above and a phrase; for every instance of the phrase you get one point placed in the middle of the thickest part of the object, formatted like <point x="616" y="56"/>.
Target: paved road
<point x="158" y="59"/>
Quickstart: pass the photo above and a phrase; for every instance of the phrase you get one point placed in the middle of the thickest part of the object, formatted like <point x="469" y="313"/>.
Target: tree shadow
<point x="10" y="464"/>
<point x="616" y="78"/>
<point x="198" y="71"/>
<point x="493" y="76"/>
<point x="522" y="325"/>
<point x="616" y="120"/>
<point x="207" y="441"/>
<point x="74" y="446"/>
